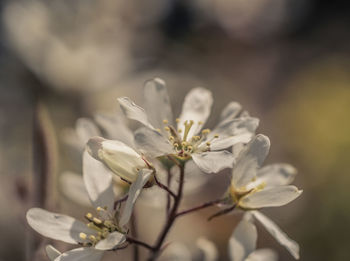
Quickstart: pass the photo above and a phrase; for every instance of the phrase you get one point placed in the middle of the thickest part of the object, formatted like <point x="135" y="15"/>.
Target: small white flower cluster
<point x="136" y="159"/>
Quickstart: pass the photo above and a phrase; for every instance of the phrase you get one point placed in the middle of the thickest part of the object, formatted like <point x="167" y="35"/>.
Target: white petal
<point x="157" y="102"/>
<point x="270" y="197"/>
<point x="210" y="252"/>
<point x="194" y="178"/>
<point x="277" y="174"/>
<point x="120" y="158"/>
<point x="86" y="129"/>
<point x="278" y="234"/>
<point x="264" y="254"/>
<point x="250" y="160"/>
<point x="213" y="161"/>
<point x="56" y="226"/>
<point x="113" y="239"/>
<point x="196" y="107"/>
<point x="81" y="254"/>
<point x="73" y="187"/>
<point x="98" y="182"/>
<point x="134" y="192"/>
<point x="236" y="126"/>
<point x="51" y="252"/>
<point x="152" y="143"/>
<point x="134" y="112"/>
<point x="231" y="111"/>
<point x="115" y="128"/>
<point x="243" y="240"/>
<point x="219" y="143"/>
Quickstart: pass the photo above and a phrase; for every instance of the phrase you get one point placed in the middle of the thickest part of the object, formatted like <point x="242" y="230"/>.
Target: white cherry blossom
<point x="160" y="136"/>
<point x="254" y="187"/>
<point x="105" y="231"/>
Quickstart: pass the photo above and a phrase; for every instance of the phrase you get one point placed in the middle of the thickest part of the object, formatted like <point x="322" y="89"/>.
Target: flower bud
<point x="117" y="156"/>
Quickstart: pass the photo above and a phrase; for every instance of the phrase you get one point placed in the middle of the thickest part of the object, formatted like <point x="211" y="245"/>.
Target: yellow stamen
<point x="83" y="236"/>
<point x="92" y="238"/>
<point x="177" y="120"/>
<point x="188" y="125"/>
<point x="166" y="128"/>
<point x="205" y="131"/>
<point x="165" y="121"/>
<point x="97" y="221"/>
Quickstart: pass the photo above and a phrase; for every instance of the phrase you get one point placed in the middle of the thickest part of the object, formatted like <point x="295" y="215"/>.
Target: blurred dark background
<point x="286" y="61"/>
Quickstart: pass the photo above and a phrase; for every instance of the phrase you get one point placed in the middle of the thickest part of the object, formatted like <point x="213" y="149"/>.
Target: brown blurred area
<point x="286" y="61"/>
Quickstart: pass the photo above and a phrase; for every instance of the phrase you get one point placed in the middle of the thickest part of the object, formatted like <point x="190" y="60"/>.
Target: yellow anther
<point x="216" y="136"/>
<point x="205" y="131"/>
<point x="200" y="123"/>
<point x="184" y="144"/>
<point x="108" y="223"/>
<point x="179" y="130"/>
<point x="196" y="138"/>
<point x="166" y="128"/>
<point x="93" y="226"/>
<point x="88" y="216"/>
<point x="165" y="121"/>
<point x="92" y="238"/>
<point x="176" y="145"/>
<point x="189" y="148"/>
<point x="261" y="186"/>
<point x="100" y="209"/>
<point x="97" y="221"/>
<point x="83" y="236"/>
<point x="158" y="130"/>
<point x="208" y="143"/>
<point x="171" y="138"/>
<point x="177" y="120"/>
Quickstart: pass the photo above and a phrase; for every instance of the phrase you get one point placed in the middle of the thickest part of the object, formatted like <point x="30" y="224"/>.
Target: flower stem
<point x="138" y="242"/>
<point x="172" y="216"/>
<point x="162" y="186"/>
<point x="134" y="234"/>
<point x="202" y="206"/>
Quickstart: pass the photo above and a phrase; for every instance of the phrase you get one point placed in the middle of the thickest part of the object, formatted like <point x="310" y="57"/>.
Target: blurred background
<point x="286" y="61"/>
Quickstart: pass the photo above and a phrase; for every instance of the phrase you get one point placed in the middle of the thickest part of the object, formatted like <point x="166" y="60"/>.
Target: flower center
<point x="101" y="226"/>
<point x="184" y="145"/>
<point x="237" y="194"/>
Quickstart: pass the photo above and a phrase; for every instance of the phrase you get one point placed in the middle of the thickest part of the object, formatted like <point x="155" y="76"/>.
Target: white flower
<point x="103" y="232"/>
<point x="113" y="127"/>
<point x="118" y="157"/>
<point x="160" y="137"/>
<point x="242" y="243"/>
<point x="253" y="187"/>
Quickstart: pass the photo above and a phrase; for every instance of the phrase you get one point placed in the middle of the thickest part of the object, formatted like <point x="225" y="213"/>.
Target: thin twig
<point x="172" y="216"/>
<point x="121" y="200"/>
<point x="168" y="203"/>
<point x="222" y="212"/>
<point x="162" y="186"/>
<point x="140" y="243"/>
<point x="202" y="206"/>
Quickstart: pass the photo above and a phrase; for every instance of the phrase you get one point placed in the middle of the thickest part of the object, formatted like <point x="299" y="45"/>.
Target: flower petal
<point x="86" y="129"/>
<point x="176" y="252"/>
<point x="243" y="240"/>
<point x="264" y="254"/>
<point x="235" y="127"/>
<point x="196" y="107"/>
<point x="213" y="161"/>
<point x="231" y="111"/>
<point x="113" y="239"/>
<point x="271" y="197"/>
<point x="134" y="112"/>
<point x="81" y="254"/>
<point x="56" y="226"/>
<point x="152" y="143"/>
<point x="219" y="144"/>
<point x="208" y="248"/>
<point x="134" y="192"/>
<point x="118" y="157"/>
<point x="98" y="182"/>
<point x="277" y="233"/>
<point x="115" y="128"/>
<point x="277" y="174"/>
<point x="51" y="252"/>
<point x="157" y="102"/>
<point x="250" y="160"/>
<point x="73" y="187"/>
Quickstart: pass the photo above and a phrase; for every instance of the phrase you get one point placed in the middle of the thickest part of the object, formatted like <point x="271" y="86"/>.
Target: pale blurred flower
<point x="242" y="243"/>
<point x="102" y="233"/>
<point x="159" y="137"/>
<point x="253" y="187"/>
